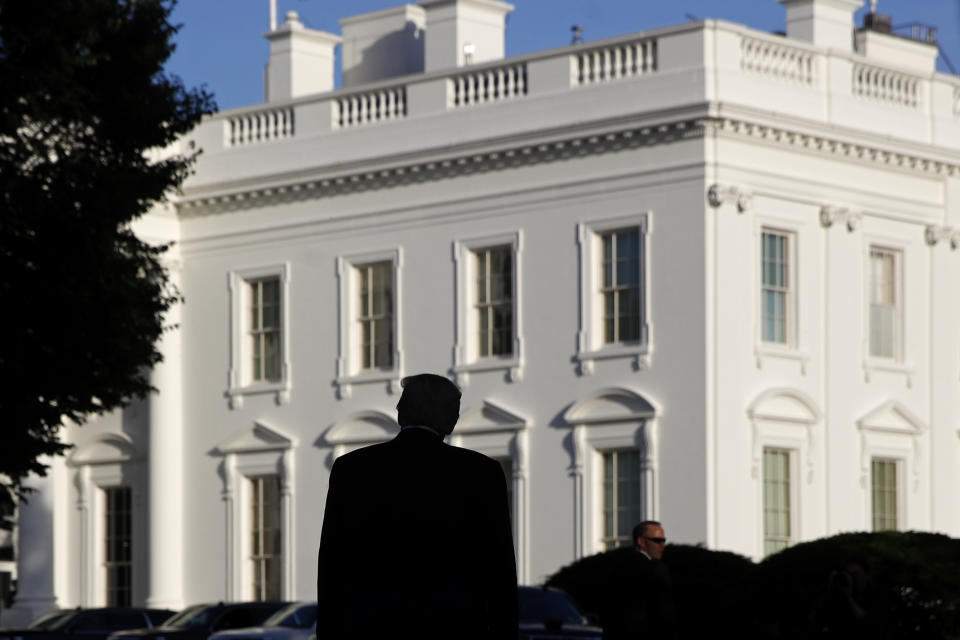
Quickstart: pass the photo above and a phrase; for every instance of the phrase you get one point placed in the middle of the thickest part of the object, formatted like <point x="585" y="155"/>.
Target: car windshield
<point x="192" y="617"/>
<point x="52" y="620"/>
<point x="540" y="605"/>
<point x="296" y="616"/>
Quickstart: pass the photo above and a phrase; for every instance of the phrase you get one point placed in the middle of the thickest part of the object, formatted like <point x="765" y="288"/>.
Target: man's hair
<point x="641" y="529"/>
<point x="429" y="400"/>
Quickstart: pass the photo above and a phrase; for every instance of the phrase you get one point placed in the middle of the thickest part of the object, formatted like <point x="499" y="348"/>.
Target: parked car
<point x="89" y="624"/>
<point x="200" y="621"/>
<point x="548" y="614"/>
<point x="296" y="622"/>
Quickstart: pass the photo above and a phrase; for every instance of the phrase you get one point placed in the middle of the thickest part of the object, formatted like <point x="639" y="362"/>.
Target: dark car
<point x="549" y="614"/>
<point x="200" y="621"/>
<point x="87" y="624"/>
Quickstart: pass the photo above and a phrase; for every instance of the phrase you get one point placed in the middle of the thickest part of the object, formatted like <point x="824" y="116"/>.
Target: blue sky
<point x="221" y="42"/>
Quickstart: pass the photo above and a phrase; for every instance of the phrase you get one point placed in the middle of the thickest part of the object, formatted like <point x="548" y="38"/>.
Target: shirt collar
<point x="418" y="426"/>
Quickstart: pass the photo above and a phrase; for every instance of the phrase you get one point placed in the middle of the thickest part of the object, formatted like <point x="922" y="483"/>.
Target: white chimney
<point x="382" y="44"/>
<point x="461" y="32"/>
<point x="301" y="60"/>
<point x="826" y="23"/>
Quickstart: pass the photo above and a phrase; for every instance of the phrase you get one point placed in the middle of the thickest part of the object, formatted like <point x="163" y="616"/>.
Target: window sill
<point x="345" y="384"/>
<point x="513" y="367"/>
<point x="765" y="350"/>
<point x="281" y="388"/>
<point x="639" y="352"/>
<point x="871" y="365"/>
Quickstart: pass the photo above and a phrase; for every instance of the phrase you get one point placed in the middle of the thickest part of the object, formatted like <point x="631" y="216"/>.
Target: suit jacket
<point x="416" y="541"/>
<point x="639" y="601"/>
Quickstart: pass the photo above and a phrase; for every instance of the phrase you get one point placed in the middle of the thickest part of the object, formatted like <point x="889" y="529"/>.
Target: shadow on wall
<point x="380" y="60"/>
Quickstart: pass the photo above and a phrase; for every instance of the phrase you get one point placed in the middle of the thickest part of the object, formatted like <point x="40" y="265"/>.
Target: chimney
<point x="826" y="23"/>
<point x="382" y="44"/>
<point x="876" y="40"/>
<point x="462" y="32"/>
<point x="301" y="60"/>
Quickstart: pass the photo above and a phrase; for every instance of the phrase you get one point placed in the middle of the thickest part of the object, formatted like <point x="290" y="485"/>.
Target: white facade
<point x="706" y="140"/>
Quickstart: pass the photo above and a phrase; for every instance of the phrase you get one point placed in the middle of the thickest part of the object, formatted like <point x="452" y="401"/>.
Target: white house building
<point x="702" y="274"/>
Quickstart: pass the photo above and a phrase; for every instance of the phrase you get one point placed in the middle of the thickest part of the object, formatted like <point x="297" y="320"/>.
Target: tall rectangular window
<point x="620" y="289"/>
<point x="265" y="335"/>
<point x="376" y="315"/>
<point x="777" y="512"/>
<point x="118" y="526"/>
<point x="494" y="301"/>
<point x="776" y="294"/>
<point x="884" y="302"/>
<point x="265" y="536"/>
<point x="883" y="483"/>
<point x="622" y="496"/>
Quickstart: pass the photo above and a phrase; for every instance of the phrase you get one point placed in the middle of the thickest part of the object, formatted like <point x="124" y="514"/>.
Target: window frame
<point x="465" y="358"/>
<point x="897" y="337"/>
<point x="349" y="372"/>
<point x="239" y="375"/>
<point x="590" y="339"/>
<point x="898" y="465"/>
<point x="791" y="311"/>
<point x="604" y="540"/>
<point x="254" y="559"/>
<point x="793" y="456"/>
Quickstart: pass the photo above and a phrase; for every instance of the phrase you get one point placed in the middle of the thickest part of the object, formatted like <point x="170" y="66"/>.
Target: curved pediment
<point x="104" y="449"/>
<point x="613" y="404"/>
<point x="784" y="405"/>
<point x="364" y="426"/>
<point x="489" y="417"/>
<point x="892" y="417"/>
<point x="258" y="438"/>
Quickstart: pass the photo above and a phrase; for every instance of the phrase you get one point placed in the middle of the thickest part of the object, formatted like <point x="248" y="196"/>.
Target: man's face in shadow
<point x="652" y="541"/>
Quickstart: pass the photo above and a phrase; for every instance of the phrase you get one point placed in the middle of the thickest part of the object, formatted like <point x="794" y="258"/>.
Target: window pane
<point x="884" y="494"/>
<point x="118" y="527"/>
<point x="776" y="500"/>
<point x="607" y="260"/>
<point x="266" y="536"/>
<point x="622" y="495"/>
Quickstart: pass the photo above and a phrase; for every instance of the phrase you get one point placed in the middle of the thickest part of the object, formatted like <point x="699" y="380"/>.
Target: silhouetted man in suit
<point x="416" y="535"/>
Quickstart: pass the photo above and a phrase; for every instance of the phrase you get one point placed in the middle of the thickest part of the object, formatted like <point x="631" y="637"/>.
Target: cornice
<point x="528" y="153"/>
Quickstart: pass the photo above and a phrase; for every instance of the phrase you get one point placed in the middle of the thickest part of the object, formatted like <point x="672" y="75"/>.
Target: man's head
<point x="429" y="400"/>
<point x="648" y="537"/>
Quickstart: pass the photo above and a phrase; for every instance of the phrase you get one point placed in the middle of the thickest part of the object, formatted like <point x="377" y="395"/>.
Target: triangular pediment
<point x="784" y="405"/>
<point x="260" y="437"/>
<point x="364" y="426"/>
<point x="892" y="417"/>
<point x="614" y="404"/>
<point x="489" y="417"/>
<point x="104" y="449"/>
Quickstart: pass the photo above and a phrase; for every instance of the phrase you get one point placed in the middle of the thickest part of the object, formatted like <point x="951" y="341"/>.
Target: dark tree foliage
<point x="85" y="110"/>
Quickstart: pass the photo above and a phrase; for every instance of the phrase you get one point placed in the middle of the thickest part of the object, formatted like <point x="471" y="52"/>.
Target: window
<point x="117" y="540"/>
<point x="885" y="306"/>
<point x="883" y="483"/>
<point x="260" y="335"/>
<point x="494" y="301"/>
<point x="613" y="292"/>
<point x="620" y="288"/>
<point x="776" y="287"/>
<point x="265" y="334"/>
<point x="622" y="496"/>
<point x="375" y="316"/>
<point x="370" y="336"/>
<point x="265" y="537"/>
<point x="777" y="510"/>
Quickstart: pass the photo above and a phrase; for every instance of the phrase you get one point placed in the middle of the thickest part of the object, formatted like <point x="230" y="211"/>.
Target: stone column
<point x="165" y="494"/>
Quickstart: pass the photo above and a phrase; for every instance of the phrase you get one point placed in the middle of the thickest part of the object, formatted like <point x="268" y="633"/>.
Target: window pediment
<point x="784" y="405"/>
<point x="104" y="449"/>
<point x="258" y="438"/>
<point x="613" y="404"/>
<point x="363" y="426"/>
<point x="489" y="417"/>
<point x="892" y="417"/>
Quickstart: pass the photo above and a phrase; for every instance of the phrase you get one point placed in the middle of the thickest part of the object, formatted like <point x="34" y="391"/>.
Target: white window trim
<point x="259" y="451"/>
<point x="611" y="418"/>
<point x="348" y="373"/>
<point x="784" y="418"/>
<point x="109" y="460"/>
<point x="464" y="363"/>
<point x="794" y="348"/>
<point x="900" y="362"/>
<point x="500" y="433"/>
<point x="590" y="347"/>
<point x="359" y="429"/>
<point x="892" y="431"/>
<point x="238" y="384"/>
